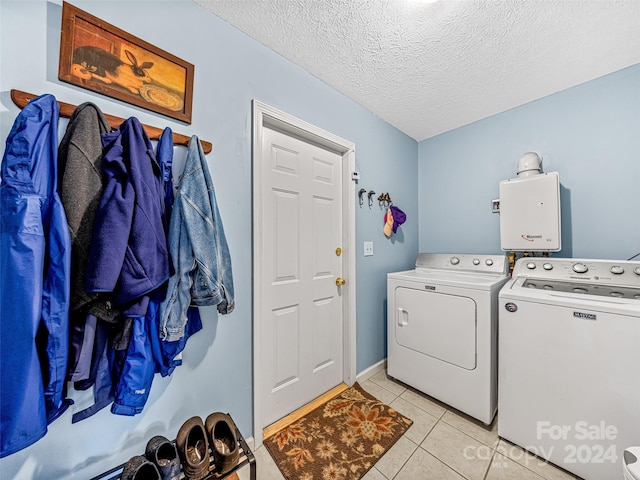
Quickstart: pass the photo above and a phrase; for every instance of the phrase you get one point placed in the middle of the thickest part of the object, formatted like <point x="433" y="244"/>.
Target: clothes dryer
<point x="569" y="347"/>
<point x="442" y="329"/>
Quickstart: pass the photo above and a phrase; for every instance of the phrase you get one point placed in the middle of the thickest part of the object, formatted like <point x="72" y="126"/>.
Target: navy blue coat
<point x="128" y="254"/>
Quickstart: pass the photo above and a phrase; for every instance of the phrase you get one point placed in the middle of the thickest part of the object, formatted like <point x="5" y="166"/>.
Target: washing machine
<point x="569" y="347"/>
<point x="442" y="327"/>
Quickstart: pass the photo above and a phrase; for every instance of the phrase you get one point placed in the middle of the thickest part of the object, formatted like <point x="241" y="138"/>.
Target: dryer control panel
<point x="603" y="272"/>
<point x="496" y="264"/>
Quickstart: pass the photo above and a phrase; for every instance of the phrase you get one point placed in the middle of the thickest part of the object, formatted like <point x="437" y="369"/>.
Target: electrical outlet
<point x="368" y="249"/>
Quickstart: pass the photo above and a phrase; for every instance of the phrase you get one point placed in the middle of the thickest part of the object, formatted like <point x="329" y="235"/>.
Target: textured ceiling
<point x="427" y="68"/>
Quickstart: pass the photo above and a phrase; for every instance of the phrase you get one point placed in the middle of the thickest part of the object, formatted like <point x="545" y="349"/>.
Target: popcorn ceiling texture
<point x="427" y="68"/>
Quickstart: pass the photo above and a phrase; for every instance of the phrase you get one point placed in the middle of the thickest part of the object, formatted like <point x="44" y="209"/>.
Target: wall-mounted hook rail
<point x="21" y="99"/>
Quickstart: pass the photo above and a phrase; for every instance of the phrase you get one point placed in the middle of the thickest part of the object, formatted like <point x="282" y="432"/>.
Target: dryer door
<point x="440" y="325"/>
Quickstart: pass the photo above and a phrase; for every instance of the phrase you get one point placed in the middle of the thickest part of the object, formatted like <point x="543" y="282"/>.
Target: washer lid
<point x="583" y="288"/>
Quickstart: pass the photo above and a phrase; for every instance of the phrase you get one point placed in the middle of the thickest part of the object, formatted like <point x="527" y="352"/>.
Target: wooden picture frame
<point x="105" y="59"/>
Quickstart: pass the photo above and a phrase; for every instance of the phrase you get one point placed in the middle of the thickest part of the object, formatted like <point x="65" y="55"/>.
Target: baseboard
<point x="371" y="371"/>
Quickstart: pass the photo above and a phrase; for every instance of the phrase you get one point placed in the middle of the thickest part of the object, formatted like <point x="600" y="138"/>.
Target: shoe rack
<point x="246" y="458"/>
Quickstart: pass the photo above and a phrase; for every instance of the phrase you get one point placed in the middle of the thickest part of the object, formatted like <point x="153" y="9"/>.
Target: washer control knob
<point x="547" y="266"/>
<point x="489" y="262"/>
<point x="454" y="260"/>
<point x="636" y="270"/>
<point x="476" y="261"/>
<point x="616" y="269"/>
<point x="580" y="268"/>
<point x="531" y="266"/>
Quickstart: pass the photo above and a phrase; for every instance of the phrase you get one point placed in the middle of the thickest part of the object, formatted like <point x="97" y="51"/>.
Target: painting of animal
<point x="91" y="62"/>
<point x="103" y="58"/>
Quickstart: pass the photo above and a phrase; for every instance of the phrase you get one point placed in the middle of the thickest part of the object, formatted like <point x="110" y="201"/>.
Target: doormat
<point x="341" y="439"/>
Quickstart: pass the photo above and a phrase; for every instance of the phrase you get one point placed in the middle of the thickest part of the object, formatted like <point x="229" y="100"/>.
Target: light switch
<point x="368" y="249"/>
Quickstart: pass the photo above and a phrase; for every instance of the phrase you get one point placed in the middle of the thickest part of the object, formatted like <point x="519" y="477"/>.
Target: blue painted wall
<point x="231" y="70"/>
<point x="590" y="134"/>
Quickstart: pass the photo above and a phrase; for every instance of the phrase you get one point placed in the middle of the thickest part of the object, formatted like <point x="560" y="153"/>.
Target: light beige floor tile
<point x="265" y="467"/>
<point x="474" y="428"/>
<point x="374" y="474"/>
<point x="503" y="468"/>
<point x="392" y="461"/>
<point x="422" y="421"/>
<point x="424" y="466"/>
<point x="425" y="402"/>
<point x="379" y="392"/>
<point x="540" y="466"/>
<point x="464" y="454"/>
<point x="381" y="379"/>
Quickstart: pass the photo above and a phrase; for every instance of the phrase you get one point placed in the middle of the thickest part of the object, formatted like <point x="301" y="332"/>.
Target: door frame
<point x="265" y="116"/>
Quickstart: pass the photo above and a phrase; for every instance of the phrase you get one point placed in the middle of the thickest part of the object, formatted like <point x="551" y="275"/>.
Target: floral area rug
<point x="340" y="440"/>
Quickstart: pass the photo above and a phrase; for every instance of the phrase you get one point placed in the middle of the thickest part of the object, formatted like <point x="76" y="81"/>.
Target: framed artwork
<point x="100" y="57"/>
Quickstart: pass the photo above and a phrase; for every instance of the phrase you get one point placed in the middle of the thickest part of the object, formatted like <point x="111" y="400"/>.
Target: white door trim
<point x="269" y="117"/>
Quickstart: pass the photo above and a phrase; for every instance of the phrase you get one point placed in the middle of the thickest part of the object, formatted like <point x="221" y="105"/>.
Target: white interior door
<point x="301" y="310"/>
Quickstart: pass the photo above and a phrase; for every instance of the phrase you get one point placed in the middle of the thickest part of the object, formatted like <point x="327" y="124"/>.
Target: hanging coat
<point x="128" y="255"/>
<point x="80" y="185"/>
<point x="34" y="280"/>
<point x="198" y="247"/>
<point x="135" y="368"/>
<point x="165" y="352"/>
<point x="128" y="258"/>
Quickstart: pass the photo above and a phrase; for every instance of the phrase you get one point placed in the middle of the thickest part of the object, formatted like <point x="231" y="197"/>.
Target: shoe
<point x="223" y="440"/>
<point x="193" y="449"/>
<point x="164" y="455"/>
<point x="139" y="468"/>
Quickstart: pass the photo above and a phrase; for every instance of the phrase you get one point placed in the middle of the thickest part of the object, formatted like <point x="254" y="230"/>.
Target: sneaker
<point x="139" y="468"/>
<point x="224" y="442"/>
<point x="193" y="449"/>
<point x="164" y="455"/>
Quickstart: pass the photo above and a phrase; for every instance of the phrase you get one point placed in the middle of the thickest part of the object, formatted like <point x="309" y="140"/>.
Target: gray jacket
<point x="80" y="186"/>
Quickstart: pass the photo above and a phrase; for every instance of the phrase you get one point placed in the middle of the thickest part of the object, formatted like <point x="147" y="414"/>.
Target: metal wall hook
<point x="384" y="200"/>
<point x="360" y="192"/>
<point x="371" y="194"/>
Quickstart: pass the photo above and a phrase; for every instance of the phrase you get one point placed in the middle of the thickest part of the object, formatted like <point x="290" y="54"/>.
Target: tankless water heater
<point x="530" y="213"/>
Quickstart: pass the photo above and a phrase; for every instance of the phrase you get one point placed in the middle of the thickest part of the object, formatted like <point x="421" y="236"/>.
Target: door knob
<point x="340" y="281"/>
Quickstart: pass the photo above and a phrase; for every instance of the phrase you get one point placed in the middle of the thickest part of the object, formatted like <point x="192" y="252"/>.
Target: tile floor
<point x="442" y="444"/>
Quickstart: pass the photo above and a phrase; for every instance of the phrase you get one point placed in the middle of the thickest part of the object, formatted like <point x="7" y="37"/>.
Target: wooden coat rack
<point x="21" y="99"/>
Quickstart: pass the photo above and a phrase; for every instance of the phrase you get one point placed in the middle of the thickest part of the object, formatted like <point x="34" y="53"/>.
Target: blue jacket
<point x="147" y="354"/>
<point x="128" y="257"/>
<point x="34" y="280"/>
<point x="198" y="247"/>
<point x="128" y="254"/>
<point x="165" y="352"/>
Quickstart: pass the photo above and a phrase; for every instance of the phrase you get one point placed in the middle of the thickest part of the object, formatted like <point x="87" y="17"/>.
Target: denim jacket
<point x="198" y="249"/>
